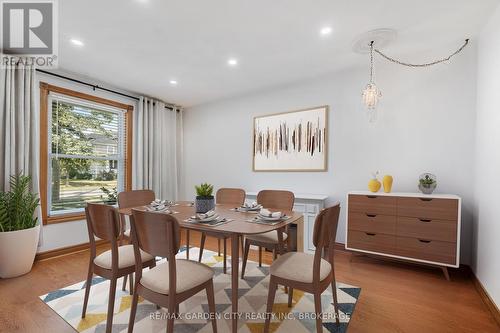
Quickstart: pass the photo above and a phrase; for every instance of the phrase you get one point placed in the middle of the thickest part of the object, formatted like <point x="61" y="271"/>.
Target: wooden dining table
<point x="237" y="226"/>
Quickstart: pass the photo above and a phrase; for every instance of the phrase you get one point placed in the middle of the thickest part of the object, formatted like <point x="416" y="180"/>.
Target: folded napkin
<point x="250" y="205"/>
<point x="268" y="213"/>
<point x="203" y="216"/>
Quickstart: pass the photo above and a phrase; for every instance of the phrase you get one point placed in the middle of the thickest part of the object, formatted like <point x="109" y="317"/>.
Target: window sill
<point x="64" y="218"/>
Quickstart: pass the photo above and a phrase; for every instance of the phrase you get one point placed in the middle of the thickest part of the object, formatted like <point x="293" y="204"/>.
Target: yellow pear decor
<point x="374" y="184"/>
<point x="387" y="181"/>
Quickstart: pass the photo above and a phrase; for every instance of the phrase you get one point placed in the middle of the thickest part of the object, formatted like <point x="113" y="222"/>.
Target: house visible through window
<point x="84" y="152"/>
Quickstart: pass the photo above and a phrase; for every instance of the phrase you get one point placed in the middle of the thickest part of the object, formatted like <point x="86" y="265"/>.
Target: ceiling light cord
<point x="419" y="65"/>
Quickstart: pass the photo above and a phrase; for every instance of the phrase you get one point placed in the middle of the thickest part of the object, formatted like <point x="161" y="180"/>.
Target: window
<point x="85" y="152"/>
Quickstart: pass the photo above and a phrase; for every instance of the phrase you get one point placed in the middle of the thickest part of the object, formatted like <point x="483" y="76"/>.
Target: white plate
<point x="207" y="219"/>
<point x="268" y="218"/>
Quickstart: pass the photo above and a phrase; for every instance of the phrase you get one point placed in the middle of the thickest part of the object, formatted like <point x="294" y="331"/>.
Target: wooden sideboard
<point x="411" y="226"/>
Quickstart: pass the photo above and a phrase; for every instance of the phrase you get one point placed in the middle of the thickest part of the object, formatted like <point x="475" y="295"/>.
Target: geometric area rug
<point x="67" y="303"/>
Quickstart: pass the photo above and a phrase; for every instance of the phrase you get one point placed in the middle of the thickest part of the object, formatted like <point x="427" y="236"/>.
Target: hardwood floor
<point x="395" y="297"/>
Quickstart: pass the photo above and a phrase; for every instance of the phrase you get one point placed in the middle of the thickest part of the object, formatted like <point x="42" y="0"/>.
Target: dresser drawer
<point x="431" y="250"/>
<point x="428" y="208"/>
<point x="372" y="204"/>
<point x="441" y="230"/>
<point x="384" y="224"/>
<point x="371" y="241"/>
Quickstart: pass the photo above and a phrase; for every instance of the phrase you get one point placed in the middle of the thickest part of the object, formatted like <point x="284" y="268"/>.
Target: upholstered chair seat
<point x="125" y="257"/>
<point x="189" y="275"/>
<point x="298" y="266"/>
<point x="270" y="237"/>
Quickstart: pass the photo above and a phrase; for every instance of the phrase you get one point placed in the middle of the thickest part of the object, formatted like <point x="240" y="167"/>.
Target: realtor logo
<point x="29" y="31"/>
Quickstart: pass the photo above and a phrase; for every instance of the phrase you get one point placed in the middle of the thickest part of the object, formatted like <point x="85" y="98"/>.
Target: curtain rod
<point x="94" y="86"/>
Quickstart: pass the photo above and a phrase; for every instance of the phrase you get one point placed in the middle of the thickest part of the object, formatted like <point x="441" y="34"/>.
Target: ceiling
<point x="141" y="45"/>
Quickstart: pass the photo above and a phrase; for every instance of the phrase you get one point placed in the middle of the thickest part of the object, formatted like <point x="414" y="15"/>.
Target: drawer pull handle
<point x="424" y="241"/>
<point x="425" y="220"/>
<point x="371" y="196"/>
<point x="371" y="215"/>
<point x="426" y="199"/>
<point x="369" y="234"/>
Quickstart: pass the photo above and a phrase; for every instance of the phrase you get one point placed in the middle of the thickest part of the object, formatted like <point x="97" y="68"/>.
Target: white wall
<point x="426" y="125"/>
<point x="486" y="248"/>
<point x="75" y="232"/>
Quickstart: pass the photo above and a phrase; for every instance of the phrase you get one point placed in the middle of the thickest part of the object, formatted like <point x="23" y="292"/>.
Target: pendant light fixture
<point x="371" y="93"/>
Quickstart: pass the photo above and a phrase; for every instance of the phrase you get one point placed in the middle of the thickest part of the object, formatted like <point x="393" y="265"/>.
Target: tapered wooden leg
<point x="335" y="302"/>
<point x="290" y="297"/>
<point x="171" y="313"/>
<point x="260" y="256"/>
<point x="187" y="244"/>
<point x="88" y="284"/>
<point x="202" y="245"/>
<point x="133" y="310"/>
<point x="211" y="305"/>
<point x="124" y="285"/>
<point x="270" y="302"/>
<point x="131" y="283"/>
<point x="245" y="258"/>
<point x="234" y="281"/>
<point x="111" y="305"/>
<point x="224" y="264"/>
<point x="218" y="247"/>
<point x="445" y="272"/>
<point x="242" y="247"/>
<point x="317" y="309"/>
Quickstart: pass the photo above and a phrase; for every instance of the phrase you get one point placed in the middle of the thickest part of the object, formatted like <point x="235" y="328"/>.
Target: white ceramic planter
<point x="17" y="251"/>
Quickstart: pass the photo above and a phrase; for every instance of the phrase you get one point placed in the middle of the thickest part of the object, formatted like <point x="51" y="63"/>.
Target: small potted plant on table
<point x="427" y="183"/>
<point x="19" y="229"/>
<point x="204" y="198"/>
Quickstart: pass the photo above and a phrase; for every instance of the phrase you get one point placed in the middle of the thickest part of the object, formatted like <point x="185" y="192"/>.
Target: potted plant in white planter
<point x="204" y="198"/>
<point x="19" y="229"/>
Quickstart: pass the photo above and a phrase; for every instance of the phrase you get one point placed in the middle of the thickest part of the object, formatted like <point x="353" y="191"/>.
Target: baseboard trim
<point x="64" y="251"/>
<point x="487" y="300"/>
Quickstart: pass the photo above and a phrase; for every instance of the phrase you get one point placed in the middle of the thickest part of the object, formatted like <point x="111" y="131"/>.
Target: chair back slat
<point x="276" y="199"/>
<point x="230" y="196"/>
<point x="153" y="230"/>
<point x="135" y="198"/>
<point x="102" y="221"/>
<point x="325" y="226"/>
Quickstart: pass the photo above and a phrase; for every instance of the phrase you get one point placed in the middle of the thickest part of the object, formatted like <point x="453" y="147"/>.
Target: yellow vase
<point x="387" y="181"/>
<point x="374" y="185"/>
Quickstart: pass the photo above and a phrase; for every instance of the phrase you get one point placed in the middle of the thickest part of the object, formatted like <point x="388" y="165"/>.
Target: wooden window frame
<point x="45" y="90"/>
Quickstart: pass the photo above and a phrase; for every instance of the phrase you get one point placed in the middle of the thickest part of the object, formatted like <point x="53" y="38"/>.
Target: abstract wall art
<point x="291" y="141"/>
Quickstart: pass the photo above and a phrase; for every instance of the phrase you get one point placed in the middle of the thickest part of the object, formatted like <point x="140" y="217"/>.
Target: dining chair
<point x="172" y="282"/>
<point x="224" y="196"/>
<point x="275" y="200"/>
<point x="308" y="272"/>
<point x="119" y="261"/>
<point x="130" y="199"/>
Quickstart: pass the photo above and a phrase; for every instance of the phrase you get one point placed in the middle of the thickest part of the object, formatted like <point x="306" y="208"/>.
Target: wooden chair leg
<point x="187" y="244"/>
<point x="290" y="297"/>
<point x="211" y="305"/>
<point x="111" y="305"/>
<point x="171" y="311"/>
<point x="224" y="264"/>
<point x="270" y="302"/>
<point x="245" y="258"/>
<point x="131" y="283"/>
<point x="218" y="247"/>
<point x="88" y="284"/>
<point x="317" y="309"/>
<point x="124" y="285"/>
<point x="335" y="301"/>
<point x="202" y="245"/>
<point x="242" y="245"/>
<point x="133" y="310"/>
<point x="260" y="256"/>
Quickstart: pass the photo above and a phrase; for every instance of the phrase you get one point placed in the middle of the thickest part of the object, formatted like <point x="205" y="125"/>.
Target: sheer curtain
<point x="19" y="126"/>
<point x="157" y="148"/>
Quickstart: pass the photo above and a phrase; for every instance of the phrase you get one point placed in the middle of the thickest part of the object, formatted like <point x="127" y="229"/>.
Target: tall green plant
<point x="17" y="207"/>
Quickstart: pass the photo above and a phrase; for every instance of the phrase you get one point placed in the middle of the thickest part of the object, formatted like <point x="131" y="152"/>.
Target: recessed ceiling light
<point x="325" y="31"/>
<point x="173" y="82"/>
<point x="76" y="42"/>
<point x="232" y="62"/>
